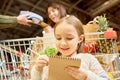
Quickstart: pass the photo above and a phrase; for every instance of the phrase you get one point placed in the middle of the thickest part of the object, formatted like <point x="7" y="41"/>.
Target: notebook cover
<point x="57" y="65"/>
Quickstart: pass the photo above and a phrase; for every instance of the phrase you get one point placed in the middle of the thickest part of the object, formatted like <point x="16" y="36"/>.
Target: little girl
<point x="69" y="40"/>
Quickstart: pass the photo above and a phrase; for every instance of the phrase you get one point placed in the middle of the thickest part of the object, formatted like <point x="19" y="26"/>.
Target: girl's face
<point x="53" y="14"/>
<point x="67" y="39"/>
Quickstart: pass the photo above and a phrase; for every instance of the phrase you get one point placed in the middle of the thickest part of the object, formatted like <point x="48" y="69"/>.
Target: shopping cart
<point x="18" y="55"/>
<point x="105" y="51"/>
<point x="15" y="56"/>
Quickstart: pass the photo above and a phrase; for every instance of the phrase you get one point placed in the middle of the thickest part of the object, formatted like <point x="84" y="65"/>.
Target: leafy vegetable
<point x="49" y="51"/>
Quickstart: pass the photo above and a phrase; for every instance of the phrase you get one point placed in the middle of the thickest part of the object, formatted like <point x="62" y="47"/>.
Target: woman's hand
<point x="41" y="62"/>
<point x="76" y="73"/>
<point x="23" y="19"/>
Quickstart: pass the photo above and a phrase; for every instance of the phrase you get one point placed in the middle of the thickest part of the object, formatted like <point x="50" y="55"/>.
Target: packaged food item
<point x="37" y="19"/>
<point x="32" y="15"/>
<point x="110" y="34"/>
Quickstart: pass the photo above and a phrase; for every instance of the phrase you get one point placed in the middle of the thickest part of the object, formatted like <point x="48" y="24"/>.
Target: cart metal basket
<point x="15" y="56"/>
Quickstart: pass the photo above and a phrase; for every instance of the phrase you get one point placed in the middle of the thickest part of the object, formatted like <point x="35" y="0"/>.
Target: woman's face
<point x="67" y="39"/>
<point x="53" y="14"/>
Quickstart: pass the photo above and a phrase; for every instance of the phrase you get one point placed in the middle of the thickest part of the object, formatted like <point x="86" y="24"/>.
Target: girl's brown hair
<point x="72" y="20"/>
<point x="61" y="10"/>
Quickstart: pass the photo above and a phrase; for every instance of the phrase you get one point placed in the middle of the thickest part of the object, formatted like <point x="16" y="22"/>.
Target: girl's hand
<point x="41" y="62"/>
<point x="76" y="73"/>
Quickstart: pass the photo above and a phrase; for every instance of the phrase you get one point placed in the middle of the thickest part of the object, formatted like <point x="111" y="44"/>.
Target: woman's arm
<point x="7" y="21"/>
<point x="11" y="21"/>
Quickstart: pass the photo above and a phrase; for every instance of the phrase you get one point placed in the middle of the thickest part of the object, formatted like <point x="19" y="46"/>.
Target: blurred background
<point x="85" y="10"/>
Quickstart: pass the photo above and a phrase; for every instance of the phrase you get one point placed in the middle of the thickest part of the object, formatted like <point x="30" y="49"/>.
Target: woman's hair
<point x="61" y="10"/>
<point x="72" y="20"/>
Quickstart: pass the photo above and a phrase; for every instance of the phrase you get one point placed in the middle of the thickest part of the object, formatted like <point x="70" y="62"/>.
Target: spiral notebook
<point x="57" y="65"/>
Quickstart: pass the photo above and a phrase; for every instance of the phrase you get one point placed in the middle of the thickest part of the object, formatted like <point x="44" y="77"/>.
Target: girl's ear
<point x="81" y="38"/>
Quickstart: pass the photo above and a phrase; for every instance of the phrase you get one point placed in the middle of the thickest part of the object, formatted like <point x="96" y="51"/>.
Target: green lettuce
<point x="49" y="51"/>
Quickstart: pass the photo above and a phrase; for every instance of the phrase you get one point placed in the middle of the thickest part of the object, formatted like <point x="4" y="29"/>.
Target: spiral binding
<point x="63" y="57"/>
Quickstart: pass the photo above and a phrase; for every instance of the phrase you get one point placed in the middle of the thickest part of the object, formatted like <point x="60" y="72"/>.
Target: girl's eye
<point x="58" y="38"/>
<point x="69" y="38"/>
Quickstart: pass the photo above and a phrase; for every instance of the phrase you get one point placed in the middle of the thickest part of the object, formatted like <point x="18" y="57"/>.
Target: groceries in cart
<point x="101" y="42"/>
<point x="99" y="37"/>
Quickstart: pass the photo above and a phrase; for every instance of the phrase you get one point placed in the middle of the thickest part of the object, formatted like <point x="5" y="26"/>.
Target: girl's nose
<point x="63" y="42"/>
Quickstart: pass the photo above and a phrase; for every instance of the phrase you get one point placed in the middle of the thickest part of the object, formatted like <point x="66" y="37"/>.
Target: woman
<point x="11" y="21"/>
<point x="55" y="11"/>
<point x="69" y="40"/>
